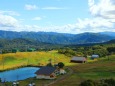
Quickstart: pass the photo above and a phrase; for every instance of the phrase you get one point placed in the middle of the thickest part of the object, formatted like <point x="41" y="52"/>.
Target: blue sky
<point x="63" y="16"/>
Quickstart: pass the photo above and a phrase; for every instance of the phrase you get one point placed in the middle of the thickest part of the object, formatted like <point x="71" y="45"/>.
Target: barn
<point x="78" y="59"/>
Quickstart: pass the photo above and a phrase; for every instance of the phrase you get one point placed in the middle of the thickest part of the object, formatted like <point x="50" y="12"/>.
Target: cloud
<point x="94" y="23"/>
<point x="53" y="8"/>
<point x="8" y="21"/>
<point x="37" y="18"/>
<point x="104" y="8"/>
<point x="102" y="12"/>
<point x="30" y="7"/>
<point x="103" y="19"/>
<point x="12" y="13"/>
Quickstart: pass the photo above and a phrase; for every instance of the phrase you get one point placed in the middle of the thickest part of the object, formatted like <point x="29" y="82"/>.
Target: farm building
<point x="46" y="73"/>
<point x="94" y="56"/>
<point x="78" y="59"/>
<point x="62" y="71"/>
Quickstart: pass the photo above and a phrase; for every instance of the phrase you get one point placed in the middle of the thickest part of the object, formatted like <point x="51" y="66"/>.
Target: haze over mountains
<point x="59" y="38"/>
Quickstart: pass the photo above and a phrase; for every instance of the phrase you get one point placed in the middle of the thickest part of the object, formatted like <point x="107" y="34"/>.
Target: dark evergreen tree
<point x="60" y="64"/>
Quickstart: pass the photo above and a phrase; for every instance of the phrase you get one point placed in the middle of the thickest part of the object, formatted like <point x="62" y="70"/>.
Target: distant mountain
<point x="58" y="38"/>
<point x="110" y="42"/>
<point x="23" y="44"/>
<point x="85" y="38"/>
<point x="108" y="33"/>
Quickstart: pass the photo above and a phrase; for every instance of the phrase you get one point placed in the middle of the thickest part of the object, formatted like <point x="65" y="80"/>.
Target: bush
<point x="110" y="82"/>
<point x="103" y="82"/>
<point x="88" y="83"/>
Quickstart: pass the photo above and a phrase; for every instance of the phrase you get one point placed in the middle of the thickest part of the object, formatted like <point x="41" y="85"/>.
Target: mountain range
<point x="23" y="44"/>
<point x="59" y="38"/>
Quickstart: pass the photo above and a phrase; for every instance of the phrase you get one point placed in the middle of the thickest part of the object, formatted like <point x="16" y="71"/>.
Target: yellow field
<point x="14" y="60"/>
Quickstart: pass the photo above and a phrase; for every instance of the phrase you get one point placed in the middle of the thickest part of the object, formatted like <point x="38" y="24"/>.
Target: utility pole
<point x="108" y="55"/>
<point x="4" y="80"/>
<point x="27" y="61"/>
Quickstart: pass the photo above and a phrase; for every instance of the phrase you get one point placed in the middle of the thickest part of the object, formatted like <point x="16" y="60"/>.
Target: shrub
<point x="103" y="82"/>
<point x="88" y="83"/>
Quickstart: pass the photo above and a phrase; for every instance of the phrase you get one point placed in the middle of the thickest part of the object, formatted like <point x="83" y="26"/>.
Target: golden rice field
<point x="14" y="60"/>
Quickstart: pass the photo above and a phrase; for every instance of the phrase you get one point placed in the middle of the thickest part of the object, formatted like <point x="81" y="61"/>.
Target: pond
<point x="18" y="74"/>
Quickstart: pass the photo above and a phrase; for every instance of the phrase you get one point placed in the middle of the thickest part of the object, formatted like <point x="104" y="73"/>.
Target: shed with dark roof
<point x="46" y="73"/>
<point x="78" y="59"/>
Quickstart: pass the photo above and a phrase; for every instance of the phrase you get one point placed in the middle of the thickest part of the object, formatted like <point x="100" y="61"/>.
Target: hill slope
<point x="23" y="44"/>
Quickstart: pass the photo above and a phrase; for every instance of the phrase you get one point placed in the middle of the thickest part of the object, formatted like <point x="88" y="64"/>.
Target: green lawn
<point x="96" y="70"/>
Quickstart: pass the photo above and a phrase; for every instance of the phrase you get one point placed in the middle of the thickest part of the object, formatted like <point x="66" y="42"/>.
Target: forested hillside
<point x="58" y="38"/>
<point x="22" y="44"/>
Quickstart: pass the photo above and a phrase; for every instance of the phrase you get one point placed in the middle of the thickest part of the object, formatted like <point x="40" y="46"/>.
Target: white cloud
<point x="8" y="21"/>
<point x="103" y="19"/>
<point x="103" y="13"/>
<point x="12" y="13"/>
<point x="104" y="8"/>
<point x="53" y="8"/>
<point x="30" y="7"/>
<point x="37" y="18"/>
<point x="94" y="23"/>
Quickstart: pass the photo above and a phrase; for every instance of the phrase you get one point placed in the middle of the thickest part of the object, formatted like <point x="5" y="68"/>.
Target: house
<point x="78" y="59"/>
<point x="46" y="73"/>
<point x="94" y="56"/>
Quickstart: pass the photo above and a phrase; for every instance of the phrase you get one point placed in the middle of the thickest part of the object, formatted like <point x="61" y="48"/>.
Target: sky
<point x="62" y="16"/>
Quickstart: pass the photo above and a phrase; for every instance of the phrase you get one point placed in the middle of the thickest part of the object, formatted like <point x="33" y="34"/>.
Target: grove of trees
<point x="101" y="50"/>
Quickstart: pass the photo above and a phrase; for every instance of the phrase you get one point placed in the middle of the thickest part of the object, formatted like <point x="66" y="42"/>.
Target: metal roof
<point x="95" y="56"/>
<point x="45" y="70"/>
<point x="78" y="58"/>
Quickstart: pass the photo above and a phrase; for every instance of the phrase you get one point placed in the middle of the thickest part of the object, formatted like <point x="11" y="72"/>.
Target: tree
<point x="49" y="65"/>
<point x="88" y="83"/>
<point x="111" y="49"/>
<point x="0" y="80"/>
<point x="60" y="64"/>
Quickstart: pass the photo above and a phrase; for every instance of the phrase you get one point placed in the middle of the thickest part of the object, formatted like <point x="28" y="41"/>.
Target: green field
<point x="97" y="70"/>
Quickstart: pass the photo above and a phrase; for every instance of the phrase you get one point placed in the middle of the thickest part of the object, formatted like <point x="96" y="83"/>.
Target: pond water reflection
<point x="18" y="74"/>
